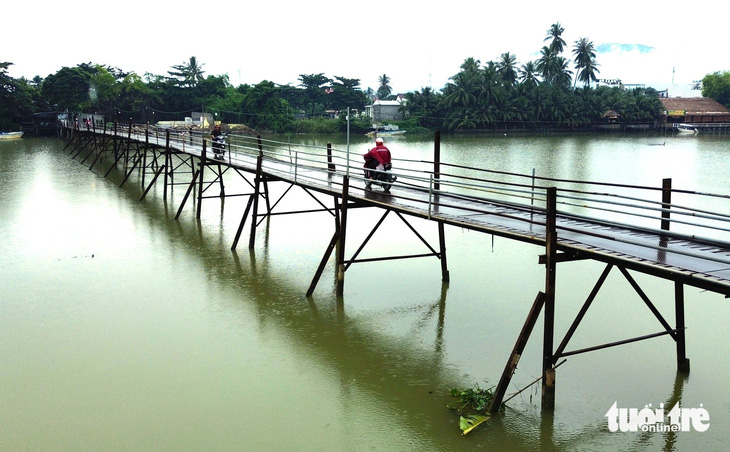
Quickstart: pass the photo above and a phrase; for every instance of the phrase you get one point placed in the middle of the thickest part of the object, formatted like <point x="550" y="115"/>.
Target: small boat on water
<point x="10" y="135"/>
<point x="686" y="129"/>
<point x="385" y="130"/>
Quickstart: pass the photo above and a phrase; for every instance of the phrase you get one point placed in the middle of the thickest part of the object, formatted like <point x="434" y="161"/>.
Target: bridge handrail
<point x="520" y="191"/>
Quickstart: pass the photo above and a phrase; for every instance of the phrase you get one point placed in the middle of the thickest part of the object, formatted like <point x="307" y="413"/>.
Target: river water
<point x="125" y="329"/>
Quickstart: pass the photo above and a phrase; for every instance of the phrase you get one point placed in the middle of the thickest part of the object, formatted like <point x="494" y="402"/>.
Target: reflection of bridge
<point x="672" y="234"/>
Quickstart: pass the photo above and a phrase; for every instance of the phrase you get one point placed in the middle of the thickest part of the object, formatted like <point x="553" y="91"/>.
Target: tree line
<point x="552" y="91"/>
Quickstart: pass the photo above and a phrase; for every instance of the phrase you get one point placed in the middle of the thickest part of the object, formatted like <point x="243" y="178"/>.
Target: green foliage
<point x="68" y="89"/>
<point x="472" y="405"/>
<point x="16" y="99"/>
<point x="476" y="398"/>
<point x="470" y="422"/>
<point x="318" y="126"/>
<point x="187" y="74"/>
<point x="716" y="86"/>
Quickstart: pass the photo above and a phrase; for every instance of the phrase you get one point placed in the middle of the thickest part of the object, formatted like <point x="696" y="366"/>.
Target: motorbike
<point x="382" y="177"/>
<point x="219" y="146"/>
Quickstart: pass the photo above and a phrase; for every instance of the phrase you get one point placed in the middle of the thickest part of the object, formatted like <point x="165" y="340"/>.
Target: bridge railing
<point x="652" y="209"/>
<point x="655" y="209"/>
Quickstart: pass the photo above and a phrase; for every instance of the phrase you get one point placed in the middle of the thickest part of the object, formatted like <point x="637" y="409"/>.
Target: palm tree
<point x="563" y="75"/>
<point x="189" y="73"/>
<point x="460" y="94"/>
<point x="384" y="89"/>
<point x="585" y="61"/>
<point x="506" y="68"/>
<point x="547" y="66"/>
<point x="470" y="65"/>
<point x="553" y="34"/>
<point x="528" y="73"/>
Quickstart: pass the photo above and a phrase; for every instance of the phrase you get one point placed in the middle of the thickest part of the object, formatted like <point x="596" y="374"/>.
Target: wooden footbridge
<point x="677" y="235"/>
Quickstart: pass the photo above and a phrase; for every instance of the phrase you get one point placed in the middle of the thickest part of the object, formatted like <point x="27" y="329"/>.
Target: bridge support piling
<point x="168" y="173"/>
<point x="514" y="358"/>
<point x="437" y="187"/>
<point x="198" y="210"/>
<point x="331" y="246"/>
<point x="257" y="188"/>
<point x="548" y="372"/>
<point x="340" y="290"/>
<point x="682" y="360"/>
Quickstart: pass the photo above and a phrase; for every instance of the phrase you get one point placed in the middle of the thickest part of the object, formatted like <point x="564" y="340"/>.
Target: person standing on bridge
<point x="377" y="158"/>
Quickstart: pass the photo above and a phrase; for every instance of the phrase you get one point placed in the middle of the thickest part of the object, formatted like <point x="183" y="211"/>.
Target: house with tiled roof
<point x="695" y="110"/>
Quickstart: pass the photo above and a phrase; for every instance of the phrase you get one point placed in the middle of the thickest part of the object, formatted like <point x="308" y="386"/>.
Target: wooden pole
<point x="343" y="229"/>
<point x="436" y="187"/>
<point x="548" y="381"/>
<point x="257" y="185"/>
<point x="330" y="165"/>
<point x="666" y="202"/>
<point x="682" y="360"/>
<point x="514" y="357"/>
<point x="167" y="163"/>
<point x="200" y="182"/>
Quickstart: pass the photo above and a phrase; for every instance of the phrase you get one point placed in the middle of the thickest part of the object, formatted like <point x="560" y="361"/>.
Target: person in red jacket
<point x="377" y="158"/>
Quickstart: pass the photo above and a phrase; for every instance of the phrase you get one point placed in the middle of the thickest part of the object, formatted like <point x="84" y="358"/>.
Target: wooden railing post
<point x="330" y="165"/>
<point x="666" y="202"/>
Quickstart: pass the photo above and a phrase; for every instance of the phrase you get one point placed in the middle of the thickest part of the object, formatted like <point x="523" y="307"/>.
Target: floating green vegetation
<point x="472" y="406"/>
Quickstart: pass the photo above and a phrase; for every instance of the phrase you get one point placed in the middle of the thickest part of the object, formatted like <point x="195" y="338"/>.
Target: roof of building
<point x="694" y="105"/>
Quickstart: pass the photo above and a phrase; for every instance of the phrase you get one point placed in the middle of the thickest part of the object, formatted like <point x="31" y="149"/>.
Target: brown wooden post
<point x="682" y="360"/>
<point x="144" y="153"/>
<point x="548" y="373"/>
<point x="436" y="187"/>
<point x="257" y="185"/>
<point x="343" y="229"/>
<point x="200" y="182"/>
<point x="167" y="163"/>
<point x="666" y="202"/>
<point x="328" y="252"/>
<point x="330" y="165"/>
<point x="436" y="160"/>
<point x="514" y="357"/>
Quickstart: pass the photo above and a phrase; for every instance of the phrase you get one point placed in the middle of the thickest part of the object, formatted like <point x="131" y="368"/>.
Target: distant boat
<point x="385" y="130"/>
<point x="10" y="135"/>
<point x="686" y="129"/>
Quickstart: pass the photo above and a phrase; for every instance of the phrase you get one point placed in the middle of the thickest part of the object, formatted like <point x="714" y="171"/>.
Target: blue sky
<point x="415" y="44"/>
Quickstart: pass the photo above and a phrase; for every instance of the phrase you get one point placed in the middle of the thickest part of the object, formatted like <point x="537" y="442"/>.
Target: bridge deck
<point x="499" y="208"/>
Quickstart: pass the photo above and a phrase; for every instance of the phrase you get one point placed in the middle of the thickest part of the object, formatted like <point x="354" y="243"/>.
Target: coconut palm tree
<point x="585" y="61"/>
<point x="470" y="65"/>
<point x="384" y="89"/>
<point x="528" y="73"/>
<point x="547" y="65"/>
<point x="506" y="68"/>
<point x="553" y="35"/>
<point x="460" y="93"/>
<point x="189" y="73"/>
<point x="563" y="75"/>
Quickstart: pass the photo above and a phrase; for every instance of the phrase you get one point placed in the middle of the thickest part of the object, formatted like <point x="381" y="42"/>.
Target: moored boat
<point x="686" y="129"/>
<point x="10" y="135"/>
<point x="385" y="130"/>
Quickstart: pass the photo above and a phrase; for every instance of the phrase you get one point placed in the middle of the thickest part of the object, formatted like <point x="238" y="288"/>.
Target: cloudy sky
<point x="416" y="44"/>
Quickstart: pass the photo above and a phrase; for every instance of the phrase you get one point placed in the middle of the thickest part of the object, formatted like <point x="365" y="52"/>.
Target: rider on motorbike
<point x="218" y="140"/>
<point x="378" y="158"/>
